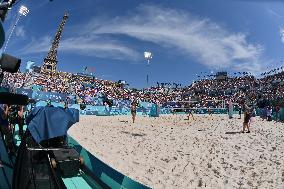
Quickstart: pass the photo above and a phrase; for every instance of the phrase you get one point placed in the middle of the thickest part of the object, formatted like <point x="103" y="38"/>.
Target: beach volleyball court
<point x="172" y="152"/>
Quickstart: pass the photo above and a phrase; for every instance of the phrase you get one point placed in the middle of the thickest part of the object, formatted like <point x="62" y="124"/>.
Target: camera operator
<point x="16" y="116"/>
<point x="5" y="127"/>
<point x="65" y="105"/>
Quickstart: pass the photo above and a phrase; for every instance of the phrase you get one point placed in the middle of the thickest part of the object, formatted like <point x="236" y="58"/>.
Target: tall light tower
<point x="148" y="56"/>
<point x="23" y="11"/>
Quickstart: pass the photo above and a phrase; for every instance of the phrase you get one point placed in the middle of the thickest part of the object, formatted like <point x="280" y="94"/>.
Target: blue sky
<point x="186" y="37"/>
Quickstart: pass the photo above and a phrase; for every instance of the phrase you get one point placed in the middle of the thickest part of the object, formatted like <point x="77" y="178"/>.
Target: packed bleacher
<point x="206" y="93"/>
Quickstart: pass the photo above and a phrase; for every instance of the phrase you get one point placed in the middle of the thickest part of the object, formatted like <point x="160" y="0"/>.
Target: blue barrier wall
<point x="120" y="107"/>
<point x="55" y="97"/>
<point x="27" y="92"/>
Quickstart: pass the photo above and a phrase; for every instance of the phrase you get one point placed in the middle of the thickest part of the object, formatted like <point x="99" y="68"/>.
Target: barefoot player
<point x="133" y="110"/>
<point x="190" y="113"/>
<point x="247" y="116"/>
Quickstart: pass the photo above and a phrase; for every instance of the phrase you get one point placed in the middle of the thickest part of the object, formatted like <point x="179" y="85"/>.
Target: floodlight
<point x="148" y="55"/>
<point x="23" y="10"/>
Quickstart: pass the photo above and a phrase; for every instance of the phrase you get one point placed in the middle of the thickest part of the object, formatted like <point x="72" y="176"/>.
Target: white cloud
<point x="20" y="31"/>
<point x="84" y="45"/>
<point x="281" y="32"/>
<point x="98" y="47"/>
<point x="37" y="46"/>
<point x="179" y="31"/>
<point x="274" y="13"/>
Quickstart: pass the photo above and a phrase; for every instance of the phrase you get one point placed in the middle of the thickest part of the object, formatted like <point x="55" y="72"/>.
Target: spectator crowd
<point x="213" y="92"/>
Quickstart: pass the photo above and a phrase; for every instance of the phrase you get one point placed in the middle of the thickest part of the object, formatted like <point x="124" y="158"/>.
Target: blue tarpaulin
<point x="49" y="122"/>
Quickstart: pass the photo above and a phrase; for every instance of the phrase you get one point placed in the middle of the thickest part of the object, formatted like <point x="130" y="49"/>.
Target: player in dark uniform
<point x="247" y="116"/>
<point x="189" y="113"/>
<point x="133" y="110"/>
<point x="5" y="127"/>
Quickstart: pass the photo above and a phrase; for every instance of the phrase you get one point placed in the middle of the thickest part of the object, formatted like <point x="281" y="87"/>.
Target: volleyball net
<point x="199" y="107"/>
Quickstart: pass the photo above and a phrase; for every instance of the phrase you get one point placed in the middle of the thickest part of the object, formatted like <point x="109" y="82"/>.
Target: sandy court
<point x="171" y="152"/>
